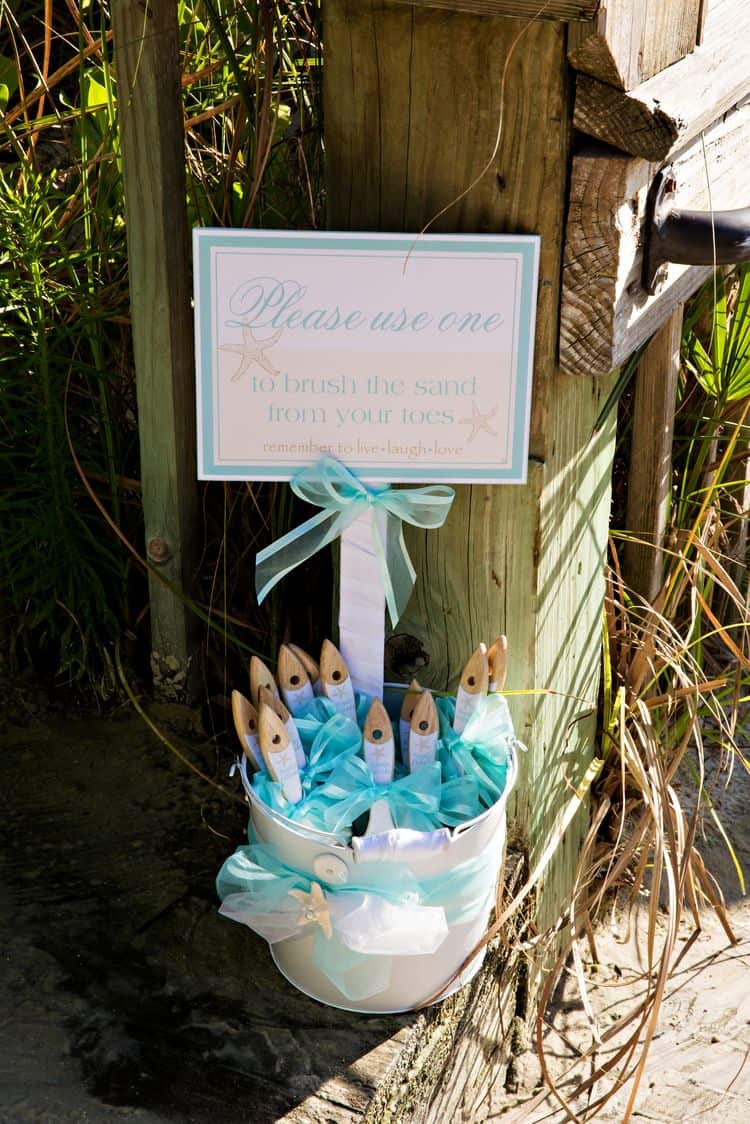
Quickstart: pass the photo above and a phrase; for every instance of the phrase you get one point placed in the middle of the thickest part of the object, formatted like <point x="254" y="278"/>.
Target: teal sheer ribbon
<point x="343" y="497"/>
<point x="413" y="799"/>
<point x="482" y="751"/>
<point x="337" y="786"/>
<point x="459" y="801"/>
<point x="384" y="911"/>
<point x="313" y="716"/>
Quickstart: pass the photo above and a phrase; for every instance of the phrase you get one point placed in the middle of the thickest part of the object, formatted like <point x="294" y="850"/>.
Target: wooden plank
<point x="665" y="113"/>
<point x="153" y="160"/>
<point x="530" y="9"/>
<point x="650" y="475"/>
<point x="702" y="19"/>
<point x="606" y="315"/>
<point x="629" y="41"/>
<point x="441" y="1053"/>
<point x="411" y="112"/>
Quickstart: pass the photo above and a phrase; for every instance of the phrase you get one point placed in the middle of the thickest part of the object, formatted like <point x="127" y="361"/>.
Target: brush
<point x="497" y="659"/>
<point x="265" y="698"/>
<point x="380" y="755"/>
<point x="310" y="666"/>
<point x="278" y="752"/>
<point x="472" y="688"/>
<point x="423" y="732"/>
<point x="336" y="680"/>
<point x="260" y="676"/>
<point x="246" y="724"/>
<point x="407" y="709"/>
<point x="294" y="682"/>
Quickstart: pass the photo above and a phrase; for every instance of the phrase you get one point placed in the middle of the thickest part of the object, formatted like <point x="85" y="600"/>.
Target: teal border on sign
<point x="526" y="247"/>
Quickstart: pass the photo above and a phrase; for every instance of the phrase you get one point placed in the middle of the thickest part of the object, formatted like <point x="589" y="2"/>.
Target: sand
<point x="698" y="1066"/>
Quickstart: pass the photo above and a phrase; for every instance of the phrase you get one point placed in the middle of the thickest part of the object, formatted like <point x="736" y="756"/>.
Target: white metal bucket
<point x="414" y="980"/>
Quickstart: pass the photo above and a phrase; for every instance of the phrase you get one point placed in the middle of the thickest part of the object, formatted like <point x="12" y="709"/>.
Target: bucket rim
<point x="329" y="839"/>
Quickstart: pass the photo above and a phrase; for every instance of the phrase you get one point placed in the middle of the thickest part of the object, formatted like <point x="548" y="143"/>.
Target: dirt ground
<point x="123" y="995"/>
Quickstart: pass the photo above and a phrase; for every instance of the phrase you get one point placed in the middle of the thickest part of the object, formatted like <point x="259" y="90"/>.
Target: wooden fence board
<point x="629" y="41"/>
<point x="650" y="476"/>
<point x="661" y="116"/>
<point x="529" y="9"/>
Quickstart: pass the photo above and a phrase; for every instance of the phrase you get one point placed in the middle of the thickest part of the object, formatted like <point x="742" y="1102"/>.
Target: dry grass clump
<point x="674" y="670"/>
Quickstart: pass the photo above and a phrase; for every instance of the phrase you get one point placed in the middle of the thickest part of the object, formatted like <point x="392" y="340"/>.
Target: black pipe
<point x="704" y="237"/>
<point x="690" y="237"/>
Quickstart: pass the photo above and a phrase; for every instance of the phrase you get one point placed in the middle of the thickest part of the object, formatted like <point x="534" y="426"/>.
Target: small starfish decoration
<point x="314" y="910"/>
<point x="253" y="351"/>
<point x="479" y="421"/>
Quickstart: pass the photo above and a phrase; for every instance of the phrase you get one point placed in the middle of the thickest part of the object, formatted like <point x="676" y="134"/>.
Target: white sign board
<point x="408" y="358"/>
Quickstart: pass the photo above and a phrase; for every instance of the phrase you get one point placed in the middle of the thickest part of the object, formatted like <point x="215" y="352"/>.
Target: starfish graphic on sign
<point x="253" y="351"/>
<point x="479" y="421"/>
<point x="314" y="909"/>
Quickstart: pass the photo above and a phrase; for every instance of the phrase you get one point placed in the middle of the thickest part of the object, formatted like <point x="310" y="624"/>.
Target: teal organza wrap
<point x="328" y="738"/>
<point x="420" y="801"/>
<point x="470" y="773"/>
<point x="413" y="799"/>
<point x="459" y="801"/>
<point x="318" y="711"/>
<point x="384" y="911"/>
<point x="482" y="751"/>
<point x="330" y="485"/>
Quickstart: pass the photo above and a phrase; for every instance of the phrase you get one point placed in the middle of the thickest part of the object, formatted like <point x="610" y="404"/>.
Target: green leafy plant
<point x="68" y="440"/>
<point x="65" y="580"/>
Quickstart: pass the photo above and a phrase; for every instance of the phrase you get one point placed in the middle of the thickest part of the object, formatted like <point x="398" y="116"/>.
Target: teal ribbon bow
<point x="254" y="885"/>
<point x="343" y="497"/>
<point x="413" y="800"/>
<point x="336" y="740"/>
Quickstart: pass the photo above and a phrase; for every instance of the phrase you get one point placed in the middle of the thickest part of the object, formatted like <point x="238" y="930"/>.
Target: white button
<point x="330" y="868"/>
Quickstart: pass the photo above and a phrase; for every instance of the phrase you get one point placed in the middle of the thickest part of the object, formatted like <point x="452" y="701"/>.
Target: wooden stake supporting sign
<point x="362" y="606"/>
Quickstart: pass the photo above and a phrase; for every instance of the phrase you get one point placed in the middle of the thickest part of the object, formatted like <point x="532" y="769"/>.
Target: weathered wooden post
<point x="674" y="138"/>
<point x="412" y="111"/>
<point x="411" y="116"/>
<point x="153" y="162"/>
